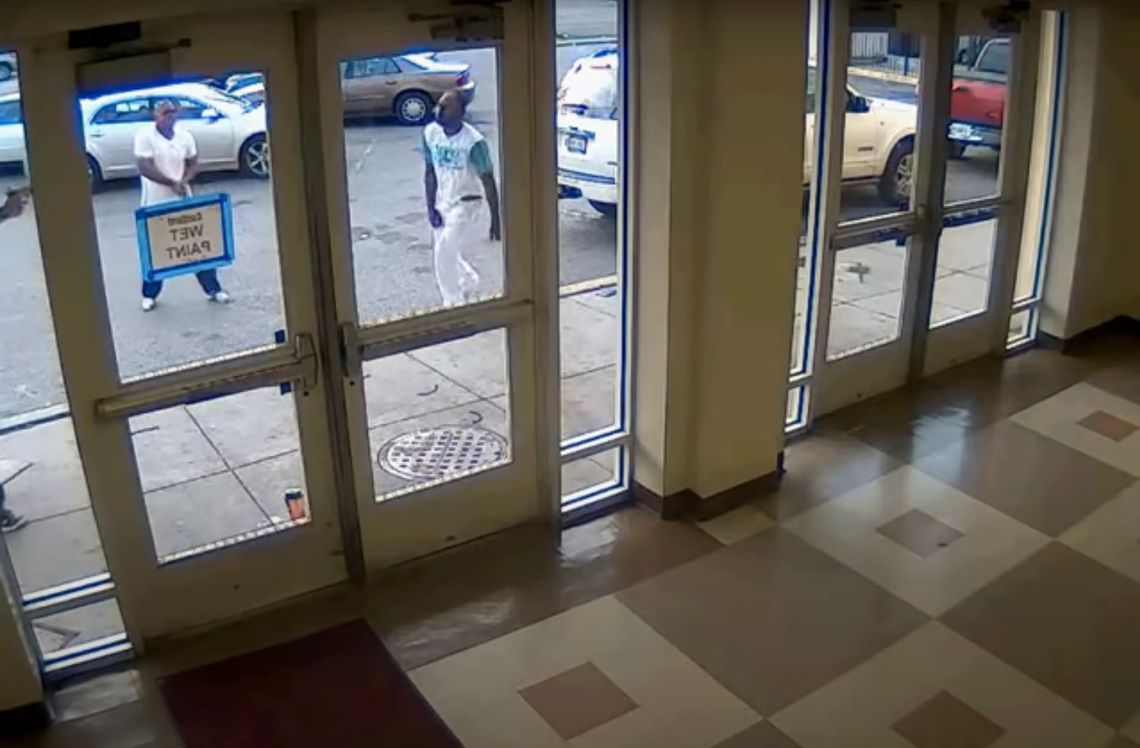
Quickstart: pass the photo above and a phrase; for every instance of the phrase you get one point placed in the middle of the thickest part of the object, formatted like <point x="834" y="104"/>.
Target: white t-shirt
<point x="459" y="160"/>
<point x="169" y="156"/>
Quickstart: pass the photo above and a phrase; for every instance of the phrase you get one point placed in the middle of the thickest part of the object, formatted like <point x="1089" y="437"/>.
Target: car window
<point x="994" y="59"/>
<point x="590" y="87"/>
<point x="128" y="110"/>
<point x="10" y="113"/>
<point x="190" y="108"/>
<point x="370" y="66"/>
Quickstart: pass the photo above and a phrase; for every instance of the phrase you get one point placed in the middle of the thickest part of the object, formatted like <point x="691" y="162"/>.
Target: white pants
<point x="461" y="229"/>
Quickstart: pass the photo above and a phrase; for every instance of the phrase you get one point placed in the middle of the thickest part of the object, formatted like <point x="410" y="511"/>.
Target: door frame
<point x="158" y="599"/>
<point x="526" y="489"/>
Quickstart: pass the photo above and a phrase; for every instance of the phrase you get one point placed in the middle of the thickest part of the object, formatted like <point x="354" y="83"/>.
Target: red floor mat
<point x="339" y="687"/>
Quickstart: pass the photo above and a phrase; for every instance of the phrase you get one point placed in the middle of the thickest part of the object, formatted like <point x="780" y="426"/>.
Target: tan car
<point x="407" y="86"/>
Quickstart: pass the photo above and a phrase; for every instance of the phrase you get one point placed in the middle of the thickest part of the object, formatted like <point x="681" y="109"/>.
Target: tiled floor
<point x="953" y="565"/>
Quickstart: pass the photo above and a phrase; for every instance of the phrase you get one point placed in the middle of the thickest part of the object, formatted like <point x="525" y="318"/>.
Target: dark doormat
<point x="338" y="687"/>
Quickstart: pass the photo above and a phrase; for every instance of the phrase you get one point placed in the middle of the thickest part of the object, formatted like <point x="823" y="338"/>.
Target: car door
<point x="110" y="134"/>
<point x="11" y="132"/>
<point x="212" y="130"/>
<point x="860" y="144"/>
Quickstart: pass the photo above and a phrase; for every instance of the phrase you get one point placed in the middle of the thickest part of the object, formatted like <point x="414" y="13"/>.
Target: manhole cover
<point x="443" y="452"/>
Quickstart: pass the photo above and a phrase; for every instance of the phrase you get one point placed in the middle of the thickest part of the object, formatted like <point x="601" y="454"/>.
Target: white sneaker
<point x="220" y="297"/>
<point x="147" y="304"/>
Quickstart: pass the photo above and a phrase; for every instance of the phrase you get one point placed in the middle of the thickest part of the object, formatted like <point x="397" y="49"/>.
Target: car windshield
<point x="590" y="87"/>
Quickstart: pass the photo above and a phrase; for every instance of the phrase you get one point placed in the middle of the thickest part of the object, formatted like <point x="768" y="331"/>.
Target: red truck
<point x="977" y="99"/>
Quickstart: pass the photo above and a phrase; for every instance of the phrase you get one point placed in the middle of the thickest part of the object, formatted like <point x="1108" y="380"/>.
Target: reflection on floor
<point x="960" y="560"/>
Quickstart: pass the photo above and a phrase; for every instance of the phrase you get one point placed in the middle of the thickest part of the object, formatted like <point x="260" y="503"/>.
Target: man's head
<point x="165" y="113"/>
<point x="451" y="109"/>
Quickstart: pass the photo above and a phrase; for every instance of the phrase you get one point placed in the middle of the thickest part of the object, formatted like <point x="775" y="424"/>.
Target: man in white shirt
<point x="458" y="174"/>
<point x="168" y="159"/>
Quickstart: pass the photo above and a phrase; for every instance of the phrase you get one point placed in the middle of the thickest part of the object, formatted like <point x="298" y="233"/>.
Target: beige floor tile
<point x="742" y="522"/>
<point x="874" y="530"/>
<point x="477" y="692"/>
<point x="1060" y="418"/>
<point x="1069" y="623"/>
<point x="771" y="617"/>
<point x="1027" y="475"/>
<point x="1111" y="534"/>
<point x="871" y="705"/>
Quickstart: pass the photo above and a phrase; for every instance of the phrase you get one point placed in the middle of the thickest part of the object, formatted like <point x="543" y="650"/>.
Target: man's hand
<point x="434" y="218"/>
<point x="13" y="204"/>
<point x="496" y="229"/>
<point x="181" y="188"/>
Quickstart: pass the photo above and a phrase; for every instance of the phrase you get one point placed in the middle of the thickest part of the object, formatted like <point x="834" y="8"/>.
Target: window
<point x="190" y="109"/>
<point x="371" y="66"/>
<point x="590" y="88"/>
<point x="994" y="57"/>
<point x="130" y="110"/>
<point x="10" y="112"/>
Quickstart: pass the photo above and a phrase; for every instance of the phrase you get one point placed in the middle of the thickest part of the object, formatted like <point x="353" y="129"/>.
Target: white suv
<point x="878" y="141"/>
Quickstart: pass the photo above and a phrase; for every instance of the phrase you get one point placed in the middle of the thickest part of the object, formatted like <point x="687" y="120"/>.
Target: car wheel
<point x="606" y="209"/>
<point x="413" y="108"/>
<point x="895" y="184"/>
<point x="956" y="150"/>
<point x="254" y="157"/>
<point x="94" y="174"/>
<point x="6" y="71"/>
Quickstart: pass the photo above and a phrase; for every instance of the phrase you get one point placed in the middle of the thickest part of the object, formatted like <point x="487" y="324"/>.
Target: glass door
<point x="186" y="312"/>
<point x="446" y="292"/>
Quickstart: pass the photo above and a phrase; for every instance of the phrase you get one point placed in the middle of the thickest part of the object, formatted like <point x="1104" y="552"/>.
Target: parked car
<point x="247" y="86"/>
<point x="230" y="132"/>
<point x="878" y="136"/>
<point x="407" y="86"/>
<point x="11" y="131"/>
<point x="8" y="65"/>
<point x="977" y="99"/>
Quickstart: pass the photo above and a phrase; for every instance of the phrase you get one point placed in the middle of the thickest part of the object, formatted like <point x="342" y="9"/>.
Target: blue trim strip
<point x="586" y="177"/>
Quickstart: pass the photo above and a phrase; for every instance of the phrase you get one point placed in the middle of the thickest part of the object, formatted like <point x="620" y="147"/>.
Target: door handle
<point x="95" y="134"/>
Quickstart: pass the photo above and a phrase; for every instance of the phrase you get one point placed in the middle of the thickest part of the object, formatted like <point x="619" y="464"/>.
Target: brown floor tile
<point x="577" y="700"/>
<point x="140" y="724"/>
<point x="1028" y="476"/>
<point x="760" y="735"/>
<point x="915" y="421"/>
<point x="771" y="618"/>
<point x="1067" y="622"/>
<point x="1122" y="381"/>
<point x="1108" y="426"/>
<point x="920" y="533"/>
<point x="470" y="595"/>
<point x="821" y="467"/>
<point x="945" y="721"/>
<point x="1121" y="742"/>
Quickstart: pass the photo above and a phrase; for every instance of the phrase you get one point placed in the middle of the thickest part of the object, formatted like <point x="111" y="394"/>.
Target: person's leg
<point x="151" y="289"/>
<point x="208" y="280"/>
<point x="447" y="272"/>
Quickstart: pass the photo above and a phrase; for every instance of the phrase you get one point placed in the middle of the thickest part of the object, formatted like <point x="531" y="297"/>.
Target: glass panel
<point x="977" y="116"/>
<point x="197" y="141"/>
<point x="220" y="472"/>
<point x="1020" y="326"/>
<point x="438" y="414"/>
<point x="43" y="490"/>
<point x="965" y="261"/>
<point x="879" y="124"/>
<point x="63" y="631"/>
<point x="593" y="259"/>
<point x="1030" y="261"/>
<point x="867" y="302"/>
<point x="410" y="259"/>
<point x="591" y="474"/>
<point x="807" y="254"/>
<point x="797" y="408"/>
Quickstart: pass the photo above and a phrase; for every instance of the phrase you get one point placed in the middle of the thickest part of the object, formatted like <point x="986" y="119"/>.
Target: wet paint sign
<point x="184" y="236"/>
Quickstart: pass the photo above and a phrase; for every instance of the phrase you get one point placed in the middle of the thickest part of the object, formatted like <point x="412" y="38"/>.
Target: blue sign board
<point x="185" y="236"/>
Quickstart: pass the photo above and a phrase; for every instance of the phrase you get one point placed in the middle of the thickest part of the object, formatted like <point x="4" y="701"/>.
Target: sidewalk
<point x="219" y="469"/>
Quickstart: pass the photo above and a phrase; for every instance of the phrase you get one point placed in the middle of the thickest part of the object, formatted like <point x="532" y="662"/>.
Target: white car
<point x="11" y="130"/>
<point x="230" y="133"/>
<point x="878" y="140"/>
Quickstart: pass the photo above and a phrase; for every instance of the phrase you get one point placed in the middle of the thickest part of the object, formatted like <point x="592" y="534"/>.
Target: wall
<point x="1094" y="260"/>
<point x="720" y="159"/>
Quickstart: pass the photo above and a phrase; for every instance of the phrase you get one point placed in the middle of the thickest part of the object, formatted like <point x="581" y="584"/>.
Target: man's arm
<point x="431" y="187"/>
<point x="152" y="172"/>
<point x="481" y="160"/>
<point x="189" y="171"/>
